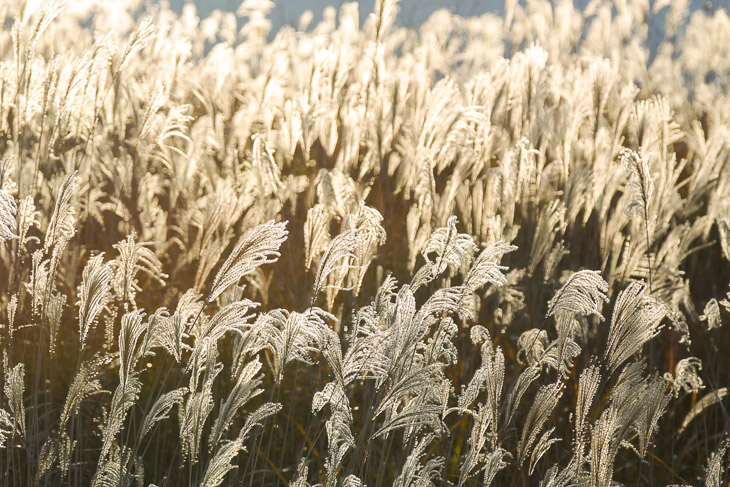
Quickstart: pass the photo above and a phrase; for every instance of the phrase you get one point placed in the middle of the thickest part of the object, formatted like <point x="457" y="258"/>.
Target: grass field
<point x="491" y="251"/>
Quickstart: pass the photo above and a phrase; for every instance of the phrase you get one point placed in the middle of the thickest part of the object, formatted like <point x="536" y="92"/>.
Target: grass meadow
<point x="491" y="250"/>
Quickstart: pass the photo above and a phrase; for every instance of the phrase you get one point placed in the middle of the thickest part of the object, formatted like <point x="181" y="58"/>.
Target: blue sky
<point x="412" y="12"/>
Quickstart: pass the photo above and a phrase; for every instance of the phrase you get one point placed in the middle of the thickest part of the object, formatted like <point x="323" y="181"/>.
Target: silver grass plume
<point x="420" y="410"/>
<point x="531" y="346"/>
<point x="338" y="256"/>
<point x="217" y="212"/>
<point x="6" y="427"/>
<point x="28" y="217"/>
<point x="667" y="130"/>
<point x="636" y="320"/>
<point x="413" y="473"/>
<point x="316" y="234"/>
<point x="686" y="376"/>
<point x="85" y="383"/>
<point x="203" y="362"/>
<point x="38" y="284"/>
<point x="640" y="183"/>
<point x="560" y="354"/>
<point x="542" y="407"/>
<point x="259" y="246"/>
<point x="477" y="439"/>
<point x="267" y="171"/>
<point x="418" y="221"/>
<point x="654" y="400"/>
<point x="368" y="223"/>
<point x="47" y="458"/>
<point x="490" y="377"/>
<point x="121" y="468"/>
<point x="232" y="317"/>
<point x="112" y="471"/>
<point x="300" y="478"/>
<point x="413" y="382"/>
<point x="245" y="389"/>
<point x="49" y="13"/>
<point x="588" y="384"/>
<point x="352" y="481"/>
<point x="550" y="224"/>
<point x="581" y="295"/>
<point x="711" y="315"/>
<point x="334" y="395"/>
<point x="8" y="210"/>
<point x="641" y="186"/>
<point x="451" y="248"/>
<point x="558" y="478"/>
<point x="541" y="448"/>
<point x="129" y="340"/>
<point x="12" y="309"/>
<point x="385" y="14"/>
<point x="440" y="347"/>
<point x="332" y="352"/>
<point x="53" y="313"/>
<point x="133" y="258"/>
<point x="125" y="396"/>
<point x="221" y="464"/>
<point x="154" y="104"/>
<point x="54" y="450"/>
<point x="291" y="336"/>
<point x="715" y="468"/>
<point x="338" y="192"/>
<point x="64" y="448"/>
<point x="161" y="409"/>
<point x="639" y="402"/>
<point x="256" y="418"/>
<point x="14" y="390"/>
<point x="604" y="447"/>
<point x="486" y="268"/>
<point x="516" y="392"/>
<point x="448" y="301"/>
<point x="195" y="411"/>
<point x="96" y="282"/>
<point x="189" y="306"/>
<point x="494" y="462"/>
<point x="642" y="118"/>
<point x="61" y="225"/>
<point x="339" y="428"/>
<point x="629" y="380"/>
<point x="494" y="382"/>
<point x="139" y="39"/>
<point x="167" y="332"/>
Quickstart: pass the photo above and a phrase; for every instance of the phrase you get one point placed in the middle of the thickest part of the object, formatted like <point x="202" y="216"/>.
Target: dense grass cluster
<point x="493" y="251"/>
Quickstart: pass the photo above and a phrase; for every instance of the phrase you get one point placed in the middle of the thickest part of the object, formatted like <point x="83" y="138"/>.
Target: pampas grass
<point x="487" y="251"/>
